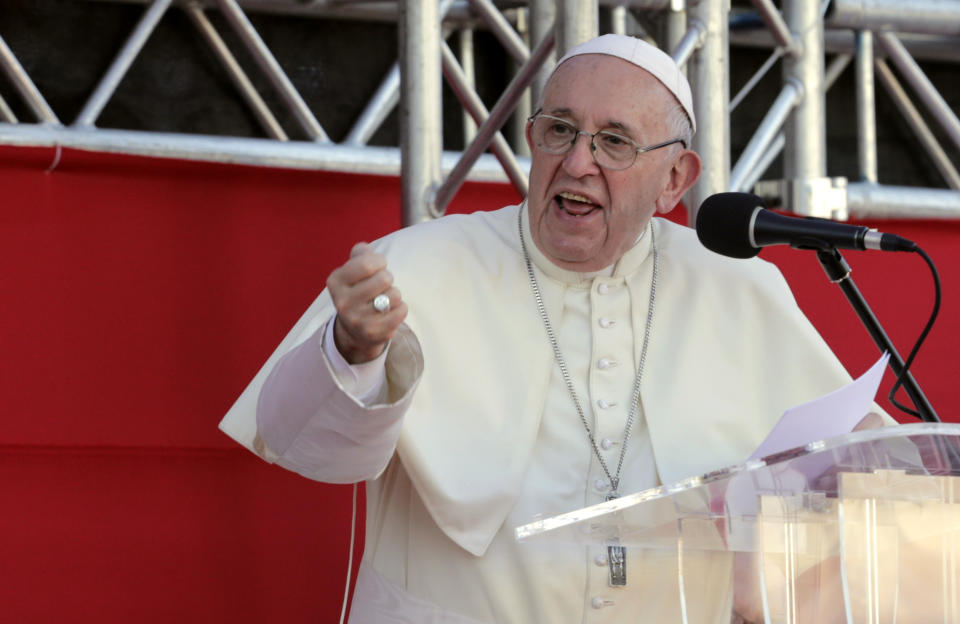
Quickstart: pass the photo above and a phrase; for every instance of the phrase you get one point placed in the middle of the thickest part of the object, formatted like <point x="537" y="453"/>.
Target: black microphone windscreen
<point x="723" y="224"/>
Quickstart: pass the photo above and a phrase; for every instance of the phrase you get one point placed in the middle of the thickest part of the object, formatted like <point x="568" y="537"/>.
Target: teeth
<point x="574" y="197"/>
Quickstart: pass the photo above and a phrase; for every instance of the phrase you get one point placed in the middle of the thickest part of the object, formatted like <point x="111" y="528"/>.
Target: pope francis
<point x="541" y="358"/>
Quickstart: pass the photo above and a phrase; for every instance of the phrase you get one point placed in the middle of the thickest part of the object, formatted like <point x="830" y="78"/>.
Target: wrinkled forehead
<point x="607" y="91"/>
<point x="642" y="55"/>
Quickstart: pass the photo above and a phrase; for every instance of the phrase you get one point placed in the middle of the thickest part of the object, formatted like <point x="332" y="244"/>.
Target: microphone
<point x="737" y="225"/>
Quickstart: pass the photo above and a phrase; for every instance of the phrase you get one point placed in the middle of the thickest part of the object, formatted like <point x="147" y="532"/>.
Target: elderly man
<point x="542" y="358"/>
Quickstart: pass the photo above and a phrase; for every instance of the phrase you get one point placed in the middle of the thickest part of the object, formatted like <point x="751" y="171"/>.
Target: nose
<point x="579" y="161"/>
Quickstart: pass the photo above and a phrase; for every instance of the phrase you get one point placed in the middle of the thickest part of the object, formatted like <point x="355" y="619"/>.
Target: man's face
<point x="584" y="217"/>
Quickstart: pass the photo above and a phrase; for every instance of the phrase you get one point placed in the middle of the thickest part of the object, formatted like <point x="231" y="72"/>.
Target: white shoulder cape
<point x="729" y="352"/>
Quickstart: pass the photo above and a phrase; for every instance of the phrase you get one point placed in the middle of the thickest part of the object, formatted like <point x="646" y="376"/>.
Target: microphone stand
<point x="839" y="273"/>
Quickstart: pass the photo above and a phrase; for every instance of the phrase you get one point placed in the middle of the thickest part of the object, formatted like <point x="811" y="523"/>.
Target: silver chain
<point x="635" y="399"/>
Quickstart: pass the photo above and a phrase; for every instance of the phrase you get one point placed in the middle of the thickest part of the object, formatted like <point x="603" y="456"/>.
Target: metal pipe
<point x="647" y="5"/>
<point x="493" y="123"/>
<point x="916" y="122"/>
<point x="305" y="155"/>
<point x="806" y="154"/>
<point x="923" y="47"/>
<point x="384" y="100"/>
<point x="239" y="78"/>
<point x="517" y="128"/>
<point x="543" y="13"/>
<point x="710" y="82"/>
<point x="690" y="41"/>
<point x="421" y="129"/>
<point x="618" y="19"/>
<point x="376" y="10"/>
<point x="675" y="26"/>
<point x="6" y="113"/>
<point x="577" y="21"/>
<point x="921" y="84"/>
<point x="466" y="63"/>
<point x="775" y="24"/>
<point x="789" y="97"/>
<point x="121" y="64"/>
<point x="377" y="109"/>
<point x="366" y="10"/>
<point x="876" y="201"/>
<point x="24" y="86"/>
<point x="471" y="102"/>
<point x="501" y="29"/>
<point x="919" y="16"/>
<point x="271" y="68"/>
<point x="770" y="155"/>
<point x="757" y="75"/>
<point x="833" y="71"/>
<point x="866" y="108"/>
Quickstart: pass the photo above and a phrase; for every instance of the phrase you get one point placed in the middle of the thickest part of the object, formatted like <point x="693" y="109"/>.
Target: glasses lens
<point x="614" y="151"/>
<point x="553" y="135"/>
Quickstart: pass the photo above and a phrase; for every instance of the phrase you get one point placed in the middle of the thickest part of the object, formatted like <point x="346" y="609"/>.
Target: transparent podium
<point x="860" y="528"/>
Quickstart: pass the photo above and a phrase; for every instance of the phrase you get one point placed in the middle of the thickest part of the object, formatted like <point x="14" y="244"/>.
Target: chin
<point x="583" y="263"/>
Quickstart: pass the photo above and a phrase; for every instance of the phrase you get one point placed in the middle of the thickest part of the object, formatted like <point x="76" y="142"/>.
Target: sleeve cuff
<point x="365" y="382"/>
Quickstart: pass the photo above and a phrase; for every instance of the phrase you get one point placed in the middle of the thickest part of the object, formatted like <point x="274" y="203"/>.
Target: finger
<point x="393" y="296"/>
<point x="364" y="320"/>
<point x="356" y="300"/>
<point x="378" y="283"/>
<point x="364" y="311"/>
<point x="393" y="319"/>
<point x="362" y="333"/>
<point x="383" y="325"/>
<point x="361" y="267"/>
<point x="360" y="248"/>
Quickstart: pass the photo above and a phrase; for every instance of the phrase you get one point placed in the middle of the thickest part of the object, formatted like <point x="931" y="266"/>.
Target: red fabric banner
<point x="141" y="295"/>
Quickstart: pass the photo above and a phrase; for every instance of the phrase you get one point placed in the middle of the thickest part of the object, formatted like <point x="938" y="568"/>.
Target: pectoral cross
<point x="616" y="556"/>
<point x="617" y="560"/>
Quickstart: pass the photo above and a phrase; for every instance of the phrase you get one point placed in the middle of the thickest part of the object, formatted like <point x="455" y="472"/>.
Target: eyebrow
<point x="610" y="124"/>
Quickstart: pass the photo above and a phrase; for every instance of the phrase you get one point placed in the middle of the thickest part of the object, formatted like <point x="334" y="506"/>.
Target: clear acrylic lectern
<point x="860" y="528"/>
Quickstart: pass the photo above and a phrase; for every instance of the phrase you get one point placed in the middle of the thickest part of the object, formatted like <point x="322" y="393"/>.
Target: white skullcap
<point x="645" y="56"/>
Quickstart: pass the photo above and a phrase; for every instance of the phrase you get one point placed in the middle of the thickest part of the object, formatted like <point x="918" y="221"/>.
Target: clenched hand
<point x="361" y="332"/>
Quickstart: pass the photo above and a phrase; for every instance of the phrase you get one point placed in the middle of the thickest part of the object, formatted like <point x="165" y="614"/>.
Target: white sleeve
<point x="311" y="424"/>
<point x="365" y="382"/>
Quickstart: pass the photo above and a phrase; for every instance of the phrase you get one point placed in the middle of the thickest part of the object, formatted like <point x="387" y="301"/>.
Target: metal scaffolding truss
<point x="881" y="38"/>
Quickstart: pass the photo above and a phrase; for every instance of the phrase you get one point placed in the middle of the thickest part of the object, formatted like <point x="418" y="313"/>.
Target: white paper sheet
<point x="828" y="416"/>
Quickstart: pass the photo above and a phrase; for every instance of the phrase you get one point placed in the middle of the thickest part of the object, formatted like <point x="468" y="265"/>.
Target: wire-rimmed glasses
<point x="610" y="150"/>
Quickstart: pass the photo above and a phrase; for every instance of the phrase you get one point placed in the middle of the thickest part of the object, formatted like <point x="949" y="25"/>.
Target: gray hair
<point x="678" y="123"/>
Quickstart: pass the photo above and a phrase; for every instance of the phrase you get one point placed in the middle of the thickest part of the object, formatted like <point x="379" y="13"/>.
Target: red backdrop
<point x="141" y="295"/>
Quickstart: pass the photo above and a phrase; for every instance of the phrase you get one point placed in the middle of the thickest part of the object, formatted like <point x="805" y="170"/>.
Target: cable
<point x="923" y="336"/>
<point x="353" y="534"/>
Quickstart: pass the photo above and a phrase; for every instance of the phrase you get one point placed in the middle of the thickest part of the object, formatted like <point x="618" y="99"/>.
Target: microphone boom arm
<point x="838" y="271"/>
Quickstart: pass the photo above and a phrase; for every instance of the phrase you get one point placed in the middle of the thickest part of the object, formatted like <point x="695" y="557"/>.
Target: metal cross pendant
<point x="616" y="557"/>
<point x="617" y="560"/>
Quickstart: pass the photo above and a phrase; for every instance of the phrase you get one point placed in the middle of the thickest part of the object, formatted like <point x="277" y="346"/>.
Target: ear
<point x="528" y="129"/>
<point x="685" y="171"/>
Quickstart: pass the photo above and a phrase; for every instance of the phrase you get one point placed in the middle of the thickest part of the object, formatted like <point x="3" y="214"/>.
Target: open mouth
<point x="575" y="205"/>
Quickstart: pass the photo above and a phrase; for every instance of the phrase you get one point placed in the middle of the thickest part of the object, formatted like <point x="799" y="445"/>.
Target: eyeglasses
<point x="610" y="150"/>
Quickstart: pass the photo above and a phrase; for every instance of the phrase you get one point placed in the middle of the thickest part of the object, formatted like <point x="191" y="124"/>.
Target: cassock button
<point x="603" y="289"/>
<point x="599" y="602"/>
<point x="600" y="561"/>
<point x="605" y="322"/>
<point x="606" y="443"/>
<point x="604" y="363"/>
<point x="601" y="485"/>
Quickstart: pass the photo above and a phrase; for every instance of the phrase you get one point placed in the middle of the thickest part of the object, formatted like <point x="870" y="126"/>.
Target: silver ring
<point x="381" y="303"/>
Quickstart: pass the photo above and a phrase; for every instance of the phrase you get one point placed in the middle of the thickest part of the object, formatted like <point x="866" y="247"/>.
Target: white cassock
<point x="476" y="433"/>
